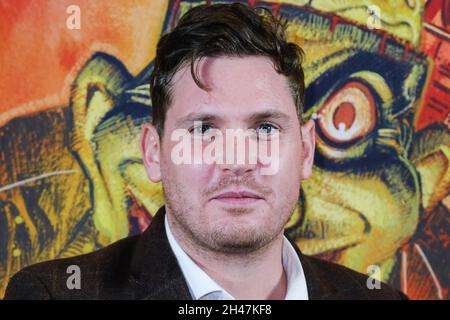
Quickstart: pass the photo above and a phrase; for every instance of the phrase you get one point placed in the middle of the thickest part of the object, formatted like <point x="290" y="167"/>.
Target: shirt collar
<point x="201" y="285"/>
<point x="296" y="281"/>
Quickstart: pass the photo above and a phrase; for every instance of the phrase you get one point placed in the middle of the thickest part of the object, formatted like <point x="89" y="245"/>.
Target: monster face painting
<point x="377" y="85"/>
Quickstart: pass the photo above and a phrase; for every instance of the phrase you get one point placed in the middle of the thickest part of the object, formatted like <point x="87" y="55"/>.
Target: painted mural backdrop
<point x="378" y="83"/>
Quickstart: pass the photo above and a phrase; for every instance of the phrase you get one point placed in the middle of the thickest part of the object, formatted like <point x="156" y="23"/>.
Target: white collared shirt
<point x="203" y="287"/>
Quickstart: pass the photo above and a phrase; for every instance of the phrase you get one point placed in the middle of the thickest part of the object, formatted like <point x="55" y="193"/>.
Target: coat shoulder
<point x="50" y="279"/>
<point x="334" y="281"/>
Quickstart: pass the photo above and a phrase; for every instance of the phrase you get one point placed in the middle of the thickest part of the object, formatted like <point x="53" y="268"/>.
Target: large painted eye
<point x="348" y="114"/>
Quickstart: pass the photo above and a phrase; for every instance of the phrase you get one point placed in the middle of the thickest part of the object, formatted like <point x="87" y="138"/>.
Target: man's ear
<point x="151" y="152"/>
<point x="308" y="147"/>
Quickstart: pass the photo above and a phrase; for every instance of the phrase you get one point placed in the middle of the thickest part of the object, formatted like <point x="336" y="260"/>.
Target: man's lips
<point x="240" y="197"/>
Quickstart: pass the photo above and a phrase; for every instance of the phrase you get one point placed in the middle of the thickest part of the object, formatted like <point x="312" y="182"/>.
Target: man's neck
<point x="256" y="275"/>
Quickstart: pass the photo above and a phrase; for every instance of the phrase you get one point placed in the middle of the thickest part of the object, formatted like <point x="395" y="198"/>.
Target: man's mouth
<point x="238" y="198"/>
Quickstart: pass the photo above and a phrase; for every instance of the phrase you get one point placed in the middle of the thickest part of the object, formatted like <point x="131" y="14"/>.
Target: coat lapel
<point x="155" y="269"/>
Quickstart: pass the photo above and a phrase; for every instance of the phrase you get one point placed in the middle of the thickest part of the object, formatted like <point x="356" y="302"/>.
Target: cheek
<point x="291" y="163"/>
<point x="192" y="177"/>
<point x="286" y="182"/>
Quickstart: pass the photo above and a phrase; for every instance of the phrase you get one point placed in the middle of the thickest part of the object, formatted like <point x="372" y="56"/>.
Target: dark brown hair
<point x="223" y="30"/>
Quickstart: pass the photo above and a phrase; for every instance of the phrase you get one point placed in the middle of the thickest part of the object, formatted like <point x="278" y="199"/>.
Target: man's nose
<point x="239" y="156"/>
<point x="238" y="169"/>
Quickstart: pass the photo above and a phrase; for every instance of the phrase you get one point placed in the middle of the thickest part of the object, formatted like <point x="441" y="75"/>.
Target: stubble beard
<point x="230" y="239"/>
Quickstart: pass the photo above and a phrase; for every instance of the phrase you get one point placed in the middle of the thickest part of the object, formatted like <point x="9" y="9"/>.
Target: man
<point x="224" y="68"/>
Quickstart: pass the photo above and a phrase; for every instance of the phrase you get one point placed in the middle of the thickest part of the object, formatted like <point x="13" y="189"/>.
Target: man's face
<point x="231" y="206"/>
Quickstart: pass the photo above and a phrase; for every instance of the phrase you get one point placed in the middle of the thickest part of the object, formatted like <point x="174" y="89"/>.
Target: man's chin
<point x="237" y="245"/>
<point x="239" y="237"/>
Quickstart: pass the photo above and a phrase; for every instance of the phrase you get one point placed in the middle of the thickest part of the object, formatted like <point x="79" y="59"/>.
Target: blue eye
<point x="201" y="129"/>
<point x="266" y="129"/>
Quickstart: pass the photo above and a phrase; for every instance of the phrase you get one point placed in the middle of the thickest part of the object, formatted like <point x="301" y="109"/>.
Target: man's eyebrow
<point x="269" y="115"/>
<point x="191" y="117"/>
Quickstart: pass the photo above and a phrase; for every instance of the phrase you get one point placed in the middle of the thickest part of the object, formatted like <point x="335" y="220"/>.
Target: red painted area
<point x="38" y="51"/>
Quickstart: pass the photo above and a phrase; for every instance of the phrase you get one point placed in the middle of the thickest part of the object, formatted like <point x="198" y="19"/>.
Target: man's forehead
<point x="239" y="84"/>
<point x="214" y="71"/>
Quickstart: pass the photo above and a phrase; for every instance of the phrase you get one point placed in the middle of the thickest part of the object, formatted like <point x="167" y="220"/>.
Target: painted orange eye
<point x="349" y="113"/>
